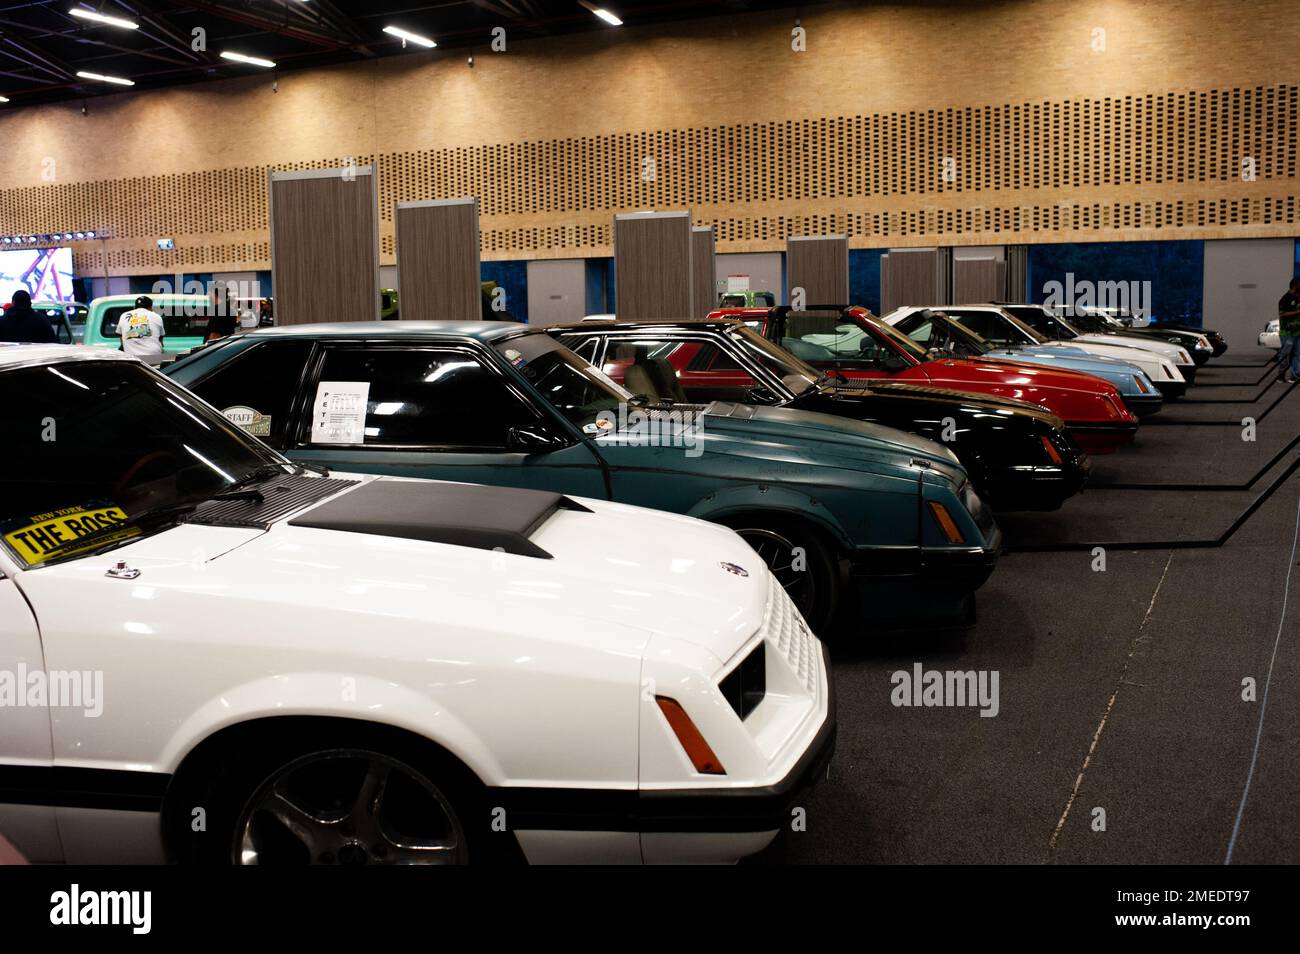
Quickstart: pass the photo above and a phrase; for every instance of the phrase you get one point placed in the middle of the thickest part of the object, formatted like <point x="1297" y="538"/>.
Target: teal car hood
<point x="831" y="436"/>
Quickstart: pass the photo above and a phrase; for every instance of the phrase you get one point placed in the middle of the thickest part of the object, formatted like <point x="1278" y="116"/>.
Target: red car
<point x="849" y="343"/>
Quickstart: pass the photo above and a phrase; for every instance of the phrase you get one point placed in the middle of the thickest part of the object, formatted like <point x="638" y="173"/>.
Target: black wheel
<point x="343" y="798"/>
<point x="801" y="562"/>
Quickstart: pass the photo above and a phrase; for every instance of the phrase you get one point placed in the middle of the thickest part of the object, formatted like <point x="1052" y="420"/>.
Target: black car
<point x="1120" y="324"/>
<point x="1019" y="456"/>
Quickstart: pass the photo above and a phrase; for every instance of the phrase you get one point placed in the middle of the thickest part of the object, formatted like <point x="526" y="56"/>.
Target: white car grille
<point x="786" y="630"/>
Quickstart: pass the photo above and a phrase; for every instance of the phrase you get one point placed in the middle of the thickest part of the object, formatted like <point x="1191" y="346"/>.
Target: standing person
<point x="141" y="330"/>
<point x="21" y="324"/>
<point x="221" y="314"/>
<point x="1288" y="314"/>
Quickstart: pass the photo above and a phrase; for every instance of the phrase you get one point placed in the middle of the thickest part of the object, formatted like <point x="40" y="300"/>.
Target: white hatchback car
<point x="1271" y="336"/>
<point x="208" y="653"/>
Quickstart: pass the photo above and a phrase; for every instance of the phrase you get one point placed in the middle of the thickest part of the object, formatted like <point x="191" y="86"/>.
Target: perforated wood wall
<point x="1184" y="127"/>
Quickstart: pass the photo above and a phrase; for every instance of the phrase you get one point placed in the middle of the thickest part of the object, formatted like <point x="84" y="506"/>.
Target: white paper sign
<point x="339" y="414"/>
<point x="737" y="283"/>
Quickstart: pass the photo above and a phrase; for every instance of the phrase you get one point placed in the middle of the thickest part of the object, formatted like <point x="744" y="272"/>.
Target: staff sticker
<point x="66" y="532"/>
<point x="249" y="420"/>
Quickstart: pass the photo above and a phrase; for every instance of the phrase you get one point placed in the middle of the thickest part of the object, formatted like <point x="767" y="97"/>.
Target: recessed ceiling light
<point x="101" y="78"/>
<point x="250" y="60"/>
<point x="85" y="14"/>
<point x="408" y="35"/>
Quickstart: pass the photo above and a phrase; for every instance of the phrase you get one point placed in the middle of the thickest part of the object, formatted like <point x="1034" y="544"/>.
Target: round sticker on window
<point x="249" y="420"/>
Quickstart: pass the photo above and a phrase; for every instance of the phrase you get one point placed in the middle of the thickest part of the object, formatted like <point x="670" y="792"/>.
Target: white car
<point x="1049" y="322"/>
<point x="1271" y="336"/>
<point x="1160" y="369"/>
<point x="208" y="653"/>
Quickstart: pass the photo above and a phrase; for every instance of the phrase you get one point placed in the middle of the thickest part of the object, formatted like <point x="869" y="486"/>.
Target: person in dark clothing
<point x="221" y="315"/>
<point x="1288" y="313"/>
<point x="21" y="324"/>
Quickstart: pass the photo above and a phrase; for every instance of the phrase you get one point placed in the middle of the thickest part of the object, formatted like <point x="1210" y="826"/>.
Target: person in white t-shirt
<point x="141" y="330"/>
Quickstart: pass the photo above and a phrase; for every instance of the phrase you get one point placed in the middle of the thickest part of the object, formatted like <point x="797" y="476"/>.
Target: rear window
<point x="178" y="324"/>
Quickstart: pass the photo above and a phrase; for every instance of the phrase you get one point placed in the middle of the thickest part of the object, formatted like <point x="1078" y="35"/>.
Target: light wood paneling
<point x="324" y="247"/>
<point x="652" y="265"/>
<point x="1049" y="121"/>
<point x="820" y="266"/>
<point x="437" y="260"/>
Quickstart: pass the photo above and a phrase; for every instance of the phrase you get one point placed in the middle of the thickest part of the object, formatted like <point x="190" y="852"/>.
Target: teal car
<point x="185" y="318"/>
<point x="839" y="509"/>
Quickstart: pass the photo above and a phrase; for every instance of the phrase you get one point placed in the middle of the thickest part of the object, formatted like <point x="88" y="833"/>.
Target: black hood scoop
<point x="462" y="515"/>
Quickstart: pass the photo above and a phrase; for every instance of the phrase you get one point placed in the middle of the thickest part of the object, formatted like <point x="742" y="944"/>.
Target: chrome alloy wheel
<point x="348" y="807"/>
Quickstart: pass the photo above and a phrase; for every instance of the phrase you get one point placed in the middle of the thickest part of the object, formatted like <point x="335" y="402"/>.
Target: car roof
<point x="160" y="296"/>
<point x="482" y="330"/>
<point x="13" y="355"/>
<point x="593" y="326"/>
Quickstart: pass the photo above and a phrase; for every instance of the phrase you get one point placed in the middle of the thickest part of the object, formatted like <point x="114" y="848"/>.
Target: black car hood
<point x="934" y="399"/>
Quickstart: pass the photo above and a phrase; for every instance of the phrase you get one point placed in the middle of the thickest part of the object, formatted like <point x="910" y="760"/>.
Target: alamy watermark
<point x="55" y="689"/>
<point x="1073" y="297"/>
<point x="933" y="688"/>
<point x="634" y="426"/>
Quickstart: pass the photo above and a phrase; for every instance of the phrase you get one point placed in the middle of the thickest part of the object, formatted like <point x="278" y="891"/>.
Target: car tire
<point x="815" y="589"/>
<point x="342" y="795"/>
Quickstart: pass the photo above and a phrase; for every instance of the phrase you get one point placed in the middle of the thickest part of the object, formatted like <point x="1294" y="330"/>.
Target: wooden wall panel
<point x="652" y="265"/>
<point x="911" y="277"/>
<point x="1183" y="124"/>
<point x="324" y="247"/>
<point x="978" y="279"/>
<point x="820" y="266"/>
<point x="704" y="294"/>
<point x="437" y="260"/>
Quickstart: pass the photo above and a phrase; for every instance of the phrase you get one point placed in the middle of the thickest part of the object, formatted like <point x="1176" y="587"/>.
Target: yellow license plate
<point x="66" y="532"/>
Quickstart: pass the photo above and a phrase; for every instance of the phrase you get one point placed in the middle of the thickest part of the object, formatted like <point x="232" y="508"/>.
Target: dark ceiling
<point x="43" y="47"/>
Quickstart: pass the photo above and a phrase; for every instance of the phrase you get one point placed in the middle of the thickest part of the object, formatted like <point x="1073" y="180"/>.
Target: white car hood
<point x="1167" y="351"/>
<point x="628" y="567"/>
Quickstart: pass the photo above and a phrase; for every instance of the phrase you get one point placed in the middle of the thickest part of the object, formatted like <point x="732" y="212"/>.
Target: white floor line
<point x="1263" y="704"/>
<point x="1110" y="704"/>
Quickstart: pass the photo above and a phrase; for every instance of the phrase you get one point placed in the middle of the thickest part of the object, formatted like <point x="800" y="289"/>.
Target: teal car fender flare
<point x="752" y="498"/>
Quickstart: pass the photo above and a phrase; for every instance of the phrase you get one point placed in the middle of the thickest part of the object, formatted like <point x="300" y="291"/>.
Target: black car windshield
<point x="794" y="373"/>
<point x="100" y="452"/>
<point x="573" y="387"/>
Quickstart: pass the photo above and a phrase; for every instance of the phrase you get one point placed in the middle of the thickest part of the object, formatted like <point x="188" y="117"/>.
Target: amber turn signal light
<point x="946" y="523"/>
<point x="692" y="742"/>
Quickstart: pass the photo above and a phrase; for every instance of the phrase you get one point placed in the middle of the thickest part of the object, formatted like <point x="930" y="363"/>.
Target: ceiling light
<point x="408" y="35"/>
<point x="250" y="60"/>
<point x="101" y="78"/>
<point x="601" y="12"/>
<point x="101" y="18"/>
<point x="4" y="99"/>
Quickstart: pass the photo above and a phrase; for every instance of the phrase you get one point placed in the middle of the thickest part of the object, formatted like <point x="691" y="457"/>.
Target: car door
<point x="442" y="411"/>
<point x="26" y="756"/>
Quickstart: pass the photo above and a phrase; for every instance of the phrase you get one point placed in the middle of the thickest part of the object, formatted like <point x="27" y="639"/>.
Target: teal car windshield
<point x="572" y="386"/>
